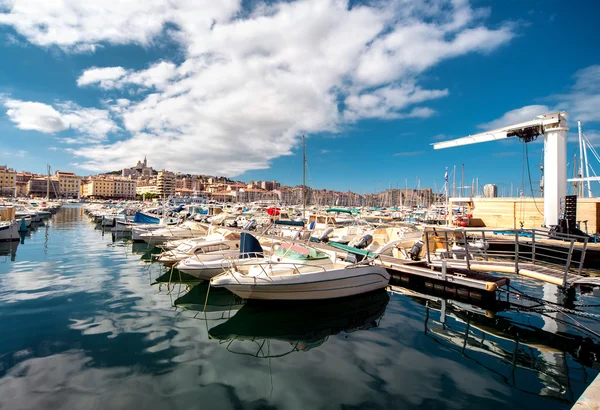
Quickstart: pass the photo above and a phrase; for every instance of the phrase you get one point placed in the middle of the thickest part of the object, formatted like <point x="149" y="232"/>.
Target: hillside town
<point x="144" y="182"/>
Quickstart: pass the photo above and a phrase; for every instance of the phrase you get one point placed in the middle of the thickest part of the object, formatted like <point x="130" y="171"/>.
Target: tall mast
<point x="48" y="185"/>
<point x="303" y="177"/>
<point x="581" y="149"/>
<point x="585" y="161"/>
<point x="454" y="182"/>
<point x="462" y="182"/>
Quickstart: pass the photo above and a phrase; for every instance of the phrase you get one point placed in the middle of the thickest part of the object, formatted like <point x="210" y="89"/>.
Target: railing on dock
<point x="558" y="255"/>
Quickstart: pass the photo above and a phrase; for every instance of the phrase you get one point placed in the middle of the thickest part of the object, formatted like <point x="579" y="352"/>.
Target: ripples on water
<point x="84" y="327"/>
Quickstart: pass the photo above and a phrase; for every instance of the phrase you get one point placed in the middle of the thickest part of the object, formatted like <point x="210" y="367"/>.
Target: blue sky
<point x="228" y="88"/>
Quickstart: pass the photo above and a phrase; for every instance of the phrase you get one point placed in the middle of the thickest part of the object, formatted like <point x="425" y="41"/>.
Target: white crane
<point x="554" y="128"/>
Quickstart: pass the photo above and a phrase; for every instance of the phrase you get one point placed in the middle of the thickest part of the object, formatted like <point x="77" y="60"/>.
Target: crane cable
<point x="530" y="184"/>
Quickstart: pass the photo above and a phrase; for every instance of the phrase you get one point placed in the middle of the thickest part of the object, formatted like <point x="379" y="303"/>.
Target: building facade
<point x="108" y="188"/>
<point x="490" y="191"/>
<point x="69" y="184"/>
<point x="165" y="183"/>
<point x="39" y="187"/>
<point x="8" y="181"/>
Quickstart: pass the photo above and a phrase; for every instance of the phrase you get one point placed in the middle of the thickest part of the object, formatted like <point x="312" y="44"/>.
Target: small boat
<point x="9" y="231"/>
<point x="206" y="264"/>
<point x="212" y="244"/>
<point x="301" y="272"/>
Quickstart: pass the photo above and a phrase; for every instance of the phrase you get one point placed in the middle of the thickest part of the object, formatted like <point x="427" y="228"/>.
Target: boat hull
<point x="325" y="285"/>
<point x="9" y="232"/>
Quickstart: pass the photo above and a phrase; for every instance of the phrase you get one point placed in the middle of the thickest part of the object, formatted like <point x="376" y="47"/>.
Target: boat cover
<point x="145" y="219"/>
<point x="249" y="246"/>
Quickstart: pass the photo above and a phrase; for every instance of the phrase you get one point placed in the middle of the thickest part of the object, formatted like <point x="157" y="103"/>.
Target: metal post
<point x="483" y="243"/>
<point x="427" y="247"/>
<point x="444" y="271"/>
<point x="516" y="252"/>
<point x="533" y="247"/>
<point x="446" y="239"/>
<point x="466" y="250"/>
<point x="568" y="265"/>
<point x="582" y="258"/>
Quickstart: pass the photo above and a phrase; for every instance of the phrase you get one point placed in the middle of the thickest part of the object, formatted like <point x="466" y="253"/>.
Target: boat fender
<point x="325" y="235"/>
<point x="364" y="242"/>
<point x="416" y="250"/>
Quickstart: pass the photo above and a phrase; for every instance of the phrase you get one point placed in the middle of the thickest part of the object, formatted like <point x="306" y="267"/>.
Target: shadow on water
<point x="303" y="325"/>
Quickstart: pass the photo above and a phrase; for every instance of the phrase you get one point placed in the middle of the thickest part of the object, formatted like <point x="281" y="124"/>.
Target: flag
<point x="446" y="175"/>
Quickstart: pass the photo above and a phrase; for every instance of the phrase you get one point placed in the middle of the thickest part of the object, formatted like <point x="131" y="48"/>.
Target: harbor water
<point x="89" y="322"/>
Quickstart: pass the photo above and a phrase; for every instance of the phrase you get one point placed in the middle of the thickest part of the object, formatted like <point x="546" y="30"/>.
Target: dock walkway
<point x="543" y="273"/>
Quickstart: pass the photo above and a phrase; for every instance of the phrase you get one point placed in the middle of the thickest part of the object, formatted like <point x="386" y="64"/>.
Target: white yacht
<point x="300" y="272"/>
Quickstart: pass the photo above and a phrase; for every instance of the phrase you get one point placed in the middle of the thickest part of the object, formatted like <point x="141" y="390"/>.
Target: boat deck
<point x="543" y="273"/>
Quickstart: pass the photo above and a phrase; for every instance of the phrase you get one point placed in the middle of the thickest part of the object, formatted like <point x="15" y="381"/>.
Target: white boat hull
<point x="321" y="285"/>
<point x="10" y="231"/>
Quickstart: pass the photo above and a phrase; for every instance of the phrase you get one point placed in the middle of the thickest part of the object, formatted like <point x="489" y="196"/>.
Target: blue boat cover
<point x="145" y="219"/>
<point x="249" y="246"/>
<point x="288" y="223"/>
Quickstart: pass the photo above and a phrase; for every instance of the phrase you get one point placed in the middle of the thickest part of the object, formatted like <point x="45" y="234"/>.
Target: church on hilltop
<point x="141" y="170"/>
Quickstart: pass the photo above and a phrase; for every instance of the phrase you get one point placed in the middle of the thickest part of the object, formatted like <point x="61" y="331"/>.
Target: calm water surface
<point x="84" y="327"/>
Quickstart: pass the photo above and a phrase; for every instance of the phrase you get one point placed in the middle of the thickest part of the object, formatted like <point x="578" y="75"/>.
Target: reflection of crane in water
<point x="478" y="334"/>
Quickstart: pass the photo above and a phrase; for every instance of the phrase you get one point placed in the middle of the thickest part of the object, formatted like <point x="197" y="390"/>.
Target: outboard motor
<point x="364" y="242"/>
<point x="325" y="235"/>
<point x="251" y="224"/>
<point x="416" y="250"/>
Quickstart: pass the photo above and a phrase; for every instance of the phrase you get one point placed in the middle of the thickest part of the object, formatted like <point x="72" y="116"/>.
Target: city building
<point x="490" y="191"/>
<point x="38" y="187"/>
<point x="8" y="181"/>
<point x="165" y="183"/>
<point x="108" y="188"/>
<point x="140" y="170"/>
<point x="146" y="189"/>
<point x="69" y="184"/>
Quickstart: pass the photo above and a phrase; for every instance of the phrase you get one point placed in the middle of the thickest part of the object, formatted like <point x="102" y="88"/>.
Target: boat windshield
<point x="299" y="252"/>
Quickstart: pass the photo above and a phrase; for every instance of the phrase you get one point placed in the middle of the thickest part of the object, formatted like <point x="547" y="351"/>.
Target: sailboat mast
<point x="48" y="185"/>
<point x="581" y="148"/>
<point x="303" y="176"/>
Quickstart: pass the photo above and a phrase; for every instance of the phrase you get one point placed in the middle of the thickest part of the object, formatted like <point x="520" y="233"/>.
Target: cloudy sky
<point x="228" y="87"/>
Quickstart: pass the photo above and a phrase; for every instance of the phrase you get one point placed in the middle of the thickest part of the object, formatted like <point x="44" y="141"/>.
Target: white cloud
<point x="106" y="77"/>
<point x="582" y="102"/>
<point x="35" y="116"/>
<point x="527" y="113"/>
<point x="93" y="124"/>
<point x="252" y="81"/>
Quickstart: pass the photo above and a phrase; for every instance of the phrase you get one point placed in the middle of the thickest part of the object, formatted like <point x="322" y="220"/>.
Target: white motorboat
<point x="300" y="272"/>
<point x="187" y="229"/>
<point x="213" y="259"/>
<point x="9" y="231"/>
<point x="212" y="244"/>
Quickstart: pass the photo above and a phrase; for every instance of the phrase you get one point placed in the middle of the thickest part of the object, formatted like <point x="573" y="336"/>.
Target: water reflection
<point x="303" y="325"/>
<point x="90" y="326"/>
<point x="9" y="249"/>
<point x="511" y="350"/>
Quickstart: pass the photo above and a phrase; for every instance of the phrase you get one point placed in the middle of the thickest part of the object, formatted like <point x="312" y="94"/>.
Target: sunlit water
<point x="84" y="328"/>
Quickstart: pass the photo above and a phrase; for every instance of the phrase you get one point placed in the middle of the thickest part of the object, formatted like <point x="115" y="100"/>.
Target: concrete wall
<point x="509" y="212"/>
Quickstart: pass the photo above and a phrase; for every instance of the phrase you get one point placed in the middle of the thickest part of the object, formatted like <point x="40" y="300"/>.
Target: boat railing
<point x="559" y="252"/>
<point x="234" y="262"/>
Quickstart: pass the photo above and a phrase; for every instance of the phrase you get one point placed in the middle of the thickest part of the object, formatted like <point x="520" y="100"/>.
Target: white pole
<point x="555" y="171"/>
<point x="581" y="148"/>
<point x="587" y="168"/>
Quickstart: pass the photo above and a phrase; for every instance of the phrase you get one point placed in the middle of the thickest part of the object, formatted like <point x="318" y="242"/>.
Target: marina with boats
<point x="269" y="280"/>
<point x="532" y="340"/>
